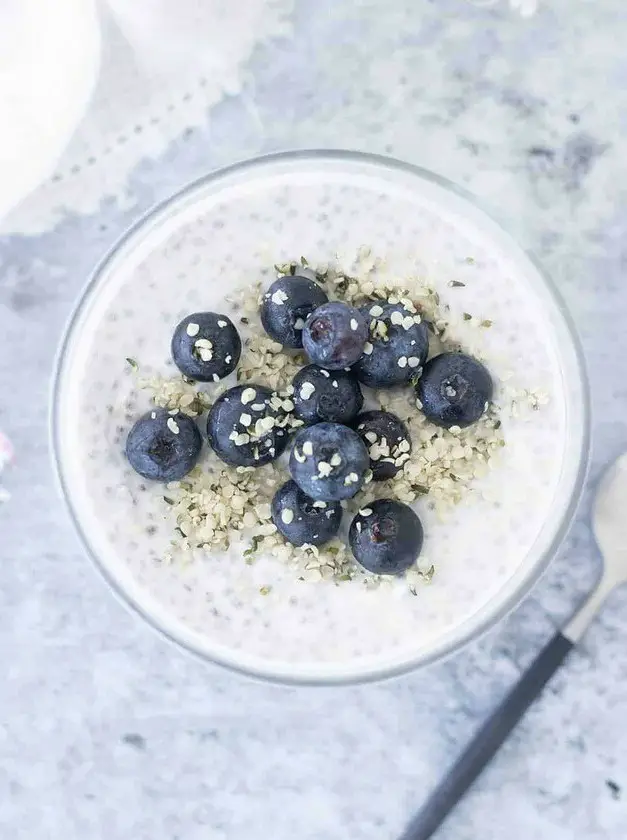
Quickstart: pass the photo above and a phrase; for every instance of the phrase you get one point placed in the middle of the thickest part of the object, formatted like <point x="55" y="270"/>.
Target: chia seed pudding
<point x="227" y="584"/>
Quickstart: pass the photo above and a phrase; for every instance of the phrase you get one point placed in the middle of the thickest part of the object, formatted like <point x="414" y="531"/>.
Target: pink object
<point x="6" y="451"/>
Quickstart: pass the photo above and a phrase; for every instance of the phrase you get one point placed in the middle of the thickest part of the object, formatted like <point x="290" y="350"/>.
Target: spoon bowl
<point x="610" y="528"/>
<point x="609" y="524"/>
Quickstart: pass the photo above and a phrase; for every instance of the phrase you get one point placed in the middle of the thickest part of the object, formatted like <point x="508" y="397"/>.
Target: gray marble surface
<point x="108" y="732"/>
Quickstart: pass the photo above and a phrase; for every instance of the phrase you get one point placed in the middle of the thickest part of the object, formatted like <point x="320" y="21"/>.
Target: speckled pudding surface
<point x="225" y="235"/>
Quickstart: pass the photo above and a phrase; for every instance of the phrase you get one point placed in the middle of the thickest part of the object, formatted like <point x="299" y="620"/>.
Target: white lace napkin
<point x="164" y="64"/>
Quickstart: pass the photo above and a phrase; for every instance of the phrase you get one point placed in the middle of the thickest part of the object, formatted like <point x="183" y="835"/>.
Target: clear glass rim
<point x="165" y="209"/>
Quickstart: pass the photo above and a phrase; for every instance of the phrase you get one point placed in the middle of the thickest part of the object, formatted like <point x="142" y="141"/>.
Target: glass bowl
<point x="228" y="205"/>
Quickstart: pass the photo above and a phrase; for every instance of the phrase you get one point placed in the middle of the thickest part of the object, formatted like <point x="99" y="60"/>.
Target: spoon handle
<point x="488" y="739"/>
<point x="582" y="619"/>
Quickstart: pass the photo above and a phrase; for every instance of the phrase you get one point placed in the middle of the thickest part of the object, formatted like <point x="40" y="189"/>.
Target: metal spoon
<point x="610" y="530"/>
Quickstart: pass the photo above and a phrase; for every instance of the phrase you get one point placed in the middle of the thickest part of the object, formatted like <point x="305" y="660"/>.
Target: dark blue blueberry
<point x="163" y="445"/>
<point x="206" y="346"/>
<point x="301" y="519"/>
<point x="454" y="390"/>
<point x="386" y="537"/>
<point x="247" y="427"/>
<point x="397" y="346"/>
<point x="388" y="442"/>
<point x="320" y="395"/>
<point x="335" y="335"/>
<point x="329" y="462"/>
<point x="286" y="306"/>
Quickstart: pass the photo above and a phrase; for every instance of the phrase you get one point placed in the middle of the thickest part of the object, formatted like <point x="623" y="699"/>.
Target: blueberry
<point x="321" y="396"/>
<point x="246" y="426"/>
<point x="387" y="440"/>
<point x="329" y="462"/>
<point x="454" y="390"/>
<point x="397" y="345"/>
<point x="386" y="537"/>
<point x="335" y="335"/>
<point x="206" y="346"/>
<point x="301" y="519"/>
<point x="286" y="306"/>
<point x="163" y="445"/>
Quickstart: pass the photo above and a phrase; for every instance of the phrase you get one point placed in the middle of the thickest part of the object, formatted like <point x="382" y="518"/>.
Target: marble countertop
<point x="108" y="732"/>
